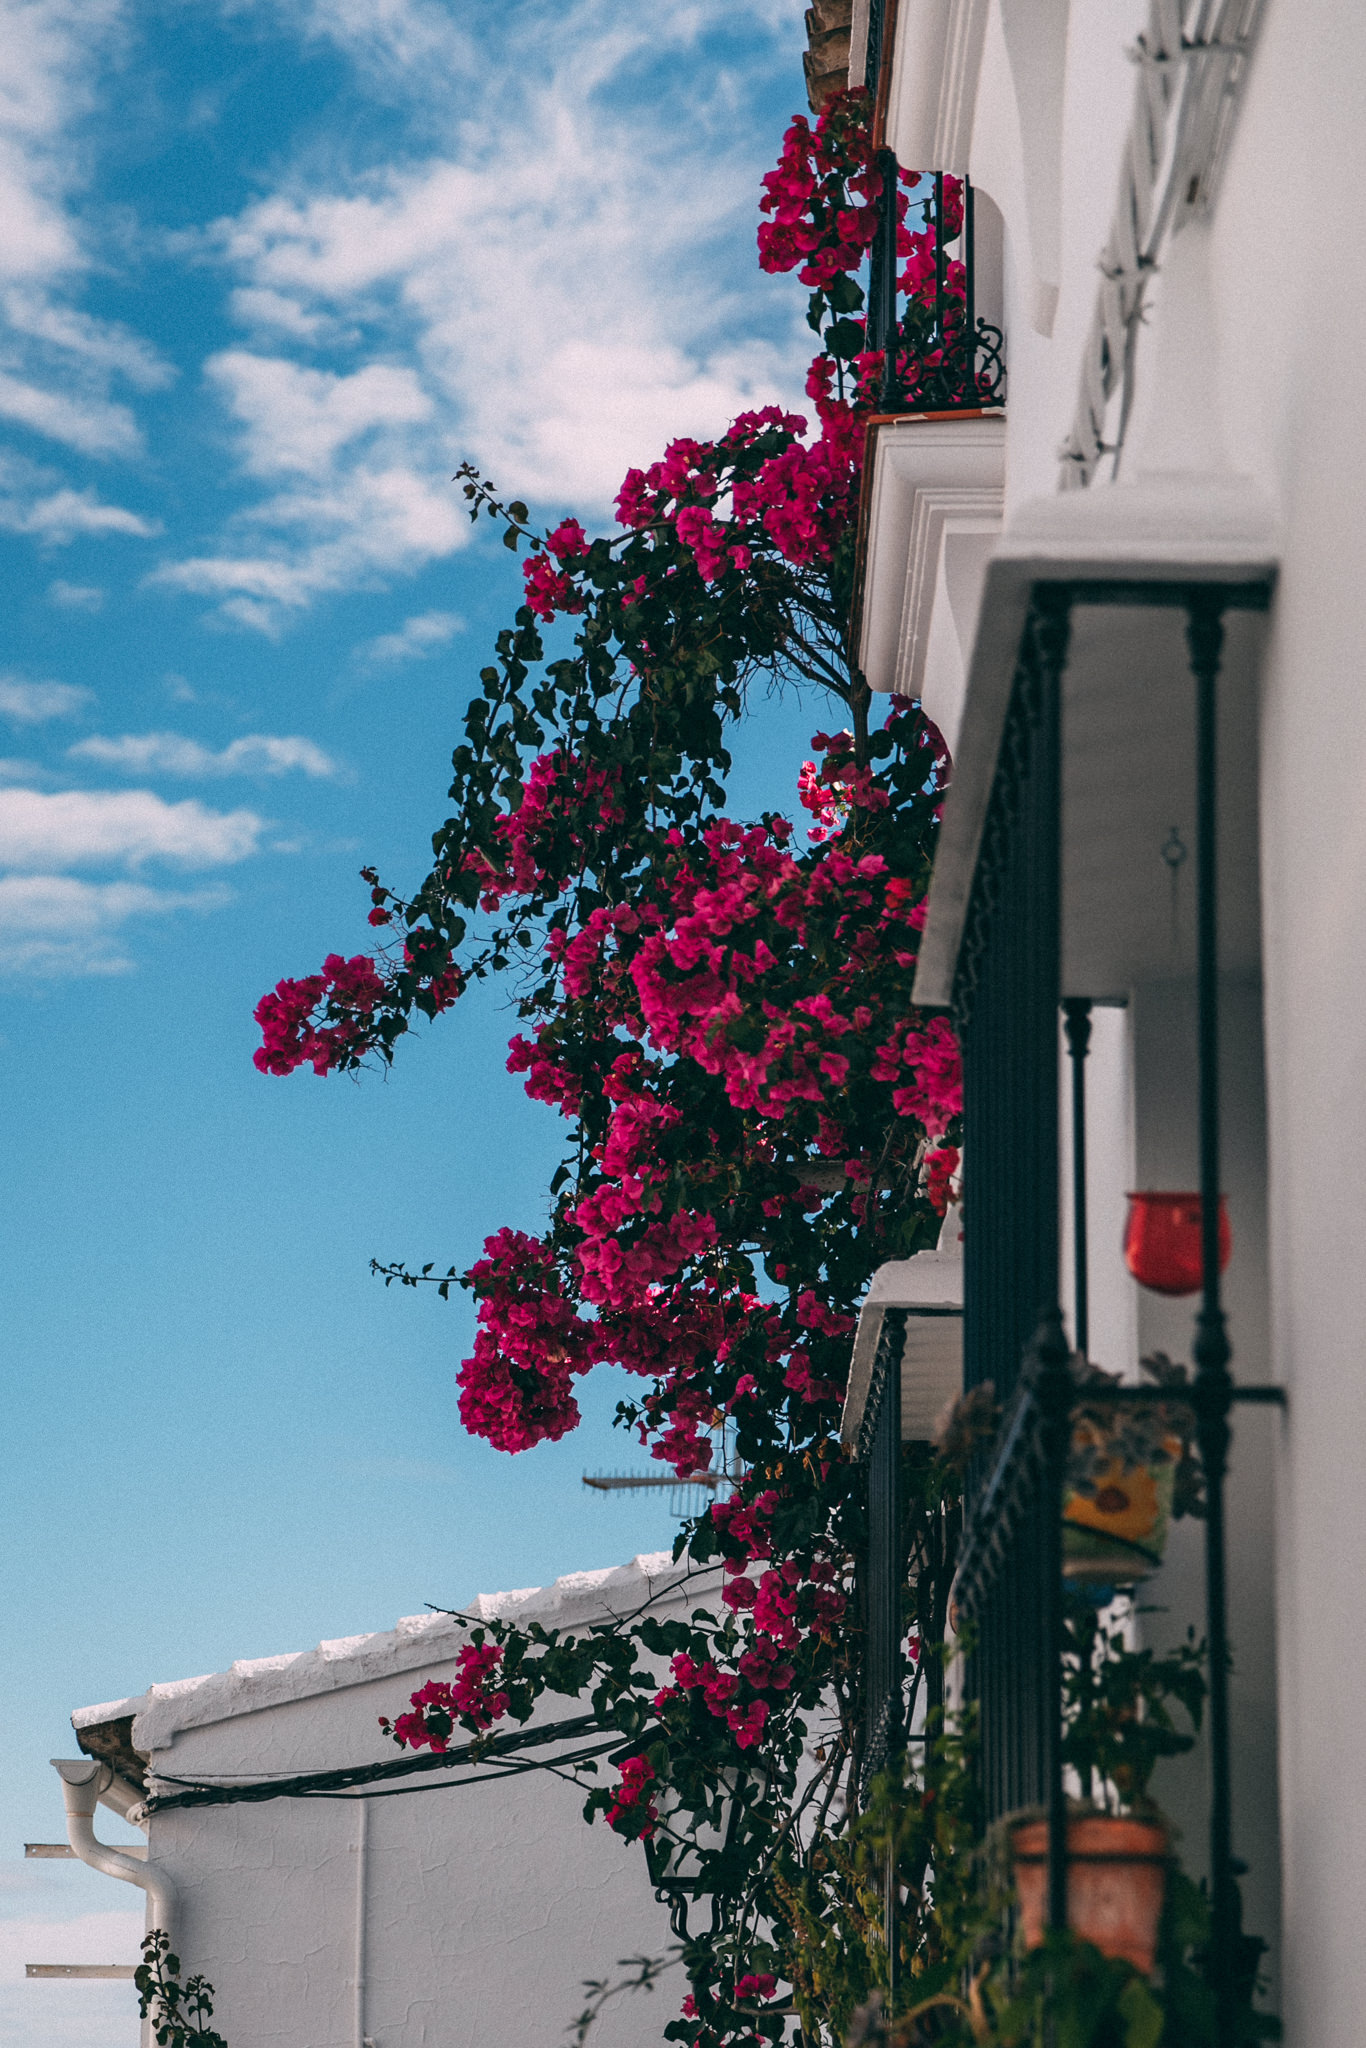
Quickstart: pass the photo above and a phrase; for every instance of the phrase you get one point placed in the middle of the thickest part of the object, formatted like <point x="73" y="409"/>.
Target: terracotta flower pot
<point x="1162" y="1241"/>
<point x="1116" y="1878"/>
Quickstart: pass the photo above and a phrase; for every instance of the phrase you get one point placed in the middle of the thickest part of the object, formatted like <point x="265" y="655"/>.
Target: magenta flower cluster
<point x="437" y="1707"/>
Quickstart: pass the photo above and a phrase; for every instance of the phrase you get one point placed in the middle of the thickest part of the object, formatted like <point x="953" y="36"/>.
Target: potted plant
<point x="1122" y="1709"/>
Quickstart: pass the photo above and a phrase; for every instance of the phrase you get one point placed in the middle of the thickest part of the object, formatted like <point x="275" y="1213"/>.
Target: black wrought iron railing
<point x="1007" y="1010"/>
<point x="937" y="354"/>
<point x="879" y="1451"/>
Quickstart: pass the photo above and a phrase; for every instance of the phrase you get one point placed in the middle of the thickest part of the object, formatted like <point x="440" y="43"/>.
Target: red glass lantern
<point x="1162" y="1242"/>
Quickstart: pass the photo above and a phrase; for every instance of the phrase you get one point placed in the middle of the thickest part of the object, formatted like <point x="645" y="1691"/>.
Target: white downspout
<point x="83" y="1780"/>
<point x="362" y="2039"/>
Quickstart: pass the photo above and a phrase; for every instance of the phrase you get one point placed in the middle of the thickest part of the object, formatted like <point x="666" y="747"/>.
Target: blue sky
<point x="269" y="270"/>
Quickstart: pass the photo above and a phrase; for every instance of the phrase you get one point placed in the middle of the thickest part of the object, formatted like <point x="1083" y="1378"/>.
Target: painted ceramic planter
<point x="1116" y="1881"/>
<point x="1162" y="1241"/>
<point x="1118" y="1533"/>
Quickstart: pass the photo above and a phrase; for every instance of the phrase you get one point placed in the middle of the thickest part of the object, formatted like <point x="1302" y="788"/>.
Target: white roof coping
<point x="253" y="1683"/>
<point x="932" y="1355"/>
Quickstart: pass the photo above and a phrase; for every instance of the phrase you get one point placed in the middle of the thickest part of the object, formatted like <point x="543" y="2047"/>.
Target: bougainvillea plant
<point x="757" y="1115"/>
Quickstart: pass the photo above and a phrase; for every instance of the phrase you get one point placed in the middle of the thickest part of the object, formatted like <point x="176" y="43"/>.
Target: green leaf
<point x="844" y="293"/>
<point x="845" y="339"/>
<point x="1142" y="2015"/>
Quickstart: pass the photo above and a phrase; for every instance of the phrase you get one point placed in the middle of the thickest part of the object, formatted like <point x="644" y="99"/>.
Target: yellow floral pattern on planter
<point x="1118" y="1532"/>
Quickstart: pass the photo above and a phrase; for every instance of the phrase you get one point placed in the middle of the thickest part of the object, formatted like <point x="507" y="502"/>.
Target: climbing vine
<point x="757" y="1117"/>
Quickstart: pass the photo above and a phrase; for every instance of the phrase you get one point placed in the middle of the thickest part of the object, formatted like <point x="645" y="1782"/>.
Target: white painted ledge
<point x="934" y="513"/>
<point x="932" y="1356"/>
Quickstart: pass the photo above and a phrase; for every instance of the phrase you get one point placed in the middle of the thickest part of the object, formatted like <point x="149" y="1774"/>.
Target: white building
<point x="1176" y="189"/>
<point x="432" y="1913"/>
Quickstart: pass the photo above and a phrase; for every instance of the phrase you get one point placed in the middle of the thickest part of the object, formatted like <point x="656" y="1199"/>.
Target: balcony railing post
<point x="970" y="300"/>
<point x="1213" y="1388"/>
<point x="1076" y="1012"/>
<point x="940" y="336"/>
<point x="883" y="287"/>
<point x="1053" y="1386"/>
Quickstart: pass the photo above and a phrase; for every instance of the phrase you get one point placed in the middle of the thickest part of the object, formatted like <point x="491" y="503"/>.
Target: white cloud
<point x="25" y="703"/>
<point x="563" y="341"/>
<point x="413" y="39"/>
<point x="351" y="531"/>
<point x="46" y="53"/>
<point x="75" y="597"/>
<point x="268" y="309"/>
<point x="29" y="505"/>
<point x="59" y="362"/>
<point x="561" y="284"/>
<point x="55" y="925"/>
<point x="298" y="420"/>
<point x="66" y="514"/>
<point x="415" y="639"/>
<point x="93" y="425"/>
<point x="82" y="828"/>
<point x="99" y="344"/>
<point x="170" y="753"/>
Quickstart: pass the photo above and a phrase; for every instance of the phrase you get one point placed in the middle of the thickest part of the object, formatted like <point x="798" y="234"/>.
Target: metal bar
<point x="1055" y="1391"/>
<point x="891" y="1407"/>
<point x="890" y="396"/>
<point x="1251" y="596"/>
<point x="123" y="1971"/>
<point x="1077" y="1013"/>
<point x="939" y="260"/>
<point x="970" y="303"/>
<point x="872" y="68"/>
<point x="1174" y="1396"/>
<point x="1213" y="1386"/>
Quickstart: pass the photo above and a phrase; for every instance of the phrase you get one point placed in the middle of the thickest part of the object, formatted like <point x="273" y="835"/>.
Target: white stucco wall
<point x="464" y="1917"/>
<point x="1246" y="364"/>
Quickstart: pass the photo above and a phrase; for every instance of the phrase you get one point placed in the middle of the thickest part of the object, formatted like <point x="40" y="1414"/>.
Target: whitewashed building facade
<point x="1169" y="201"/>
<point x="423" y="1912"/>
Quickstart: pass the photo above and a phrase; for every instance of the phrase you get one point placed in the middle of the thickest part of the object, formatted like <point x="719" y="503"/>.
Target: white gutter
<point x="84" y="1782"/>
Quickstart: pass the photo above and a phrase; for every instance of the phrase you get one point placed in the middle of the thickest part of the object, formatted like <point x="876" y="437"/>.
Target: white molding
<point x="967" y="27"/>
<point x="936" y="64"/>
<point x="932" y="1354"/>
<point x="937" y="512"/>
<point x="936" y="501"/>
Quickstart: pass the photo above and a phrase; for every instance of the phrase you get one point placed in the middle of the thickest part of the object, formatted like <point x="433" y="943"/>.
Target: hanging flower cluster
<point x="322" y="1021"/>
<point x="632" y="1812"/>
<point x="437" y="1708"/>
<point x="758" y="1114"/>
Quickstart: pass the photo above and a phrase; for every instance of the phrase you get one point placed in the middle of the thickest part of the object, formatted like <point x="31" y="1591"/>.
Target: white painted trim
<point x="936" y="64"/>
<point x="932" y="1358"/>
<point x="937" y="510"/>
<point x="932" y="479"/>
<point x="163" y="1711"/>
